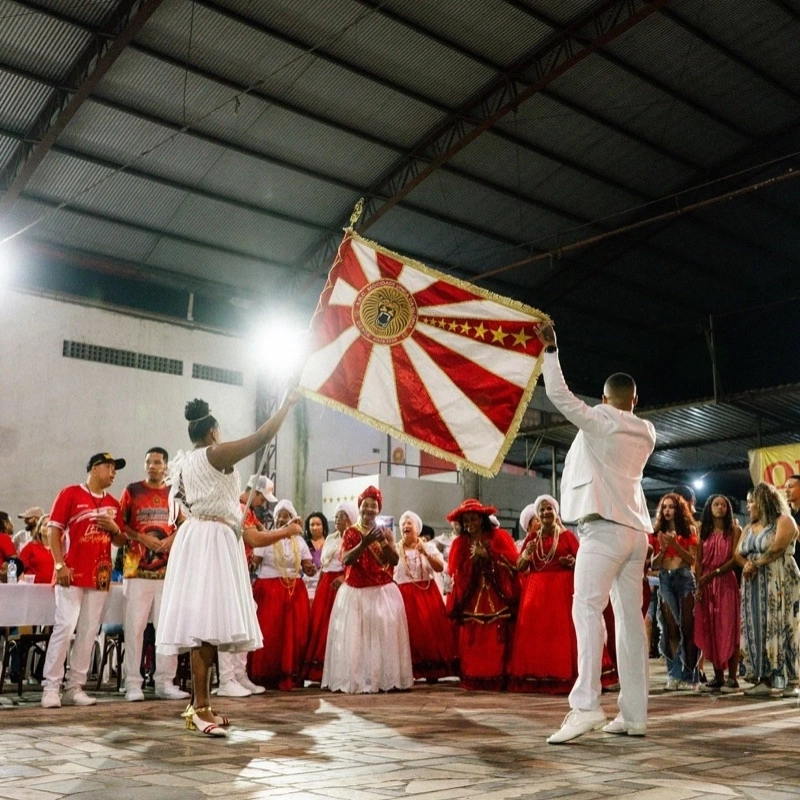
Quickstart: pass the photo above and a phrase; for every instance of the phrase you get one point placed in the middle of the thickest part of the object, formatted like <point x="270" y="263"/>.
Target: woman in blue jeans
<point x="677" y="548"/>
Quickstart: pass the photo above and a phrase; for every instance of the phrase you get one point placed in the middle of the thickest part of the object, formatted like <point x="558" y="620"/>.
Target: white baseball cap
<point x="263" y="486"/>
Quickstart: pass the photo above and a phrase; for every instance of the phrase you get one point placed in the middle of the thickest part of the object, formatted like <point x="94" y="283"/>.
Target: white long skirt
<point x="368" y="649"/>
<point x="207" y="595"/>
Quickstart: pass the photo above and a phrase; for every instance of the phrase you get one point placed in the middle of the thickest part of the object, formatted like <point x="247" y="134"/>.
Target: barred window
<point x="206" y="373"/>
<point x="121" y="358"/>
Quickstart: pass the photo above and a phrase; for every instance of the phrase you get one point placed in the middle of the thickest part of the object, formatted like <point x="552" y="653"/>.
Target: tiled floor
<point x="433" y="742"/>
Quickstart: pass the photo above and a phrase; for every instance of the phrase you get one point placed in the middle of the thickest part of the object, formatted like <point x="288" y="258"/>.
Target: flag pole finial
<point x="358" y="210"/>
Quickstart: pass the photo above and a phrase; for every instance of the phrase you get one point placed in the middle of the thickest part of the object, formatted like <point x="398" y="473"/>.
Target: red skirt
<point x="429" y="631"/>
<point x="282" y="613"/>
<point x="320" y="618"/>
<point x="544" y="657"/>
<point x="483" y="650"/>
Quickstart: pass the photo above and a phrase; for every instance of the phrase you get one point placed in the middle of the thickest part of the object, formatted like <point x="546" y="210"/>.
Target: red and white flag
<point x="440" y="363"/>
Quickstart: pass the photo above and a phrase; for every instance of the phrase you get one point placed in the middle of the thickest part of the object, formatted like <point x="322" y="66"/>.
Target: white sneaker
<point x="253" y="688"/>
<point x="169" y="691"/>
<point x="760" y="689"/>
<point x="576" y="723"/>
<point x="134" y="695"/>
<point x="619" y="725"/>
<point x="232" y="689"/>
<point x="51" y="699"/>
<point x="77" y="697"/>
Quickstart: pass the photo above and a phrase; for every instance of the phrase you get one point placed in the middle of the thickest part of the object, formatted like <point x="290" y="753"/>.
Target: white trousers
<point x="143" y="596"/>
<point x="232" y="666"/>
<point x="610" y="560"/>
<point x="78" y="611"/>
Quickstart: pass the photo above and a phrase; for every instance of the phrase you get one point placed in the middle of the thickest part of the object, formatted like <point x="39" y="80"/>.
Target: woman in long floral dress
<point x="770" y="592"/>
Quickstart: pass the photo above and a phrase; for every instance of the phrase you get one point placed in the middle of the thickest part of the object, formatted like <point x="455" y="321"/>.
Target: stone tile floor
<point x="434" y="742"/>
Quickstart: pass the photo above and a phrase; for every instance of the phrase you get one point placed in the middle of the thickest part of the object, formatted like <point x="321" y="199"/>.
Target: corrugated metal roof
<point x="20" y="101"/>
<point x="37" y="42"/>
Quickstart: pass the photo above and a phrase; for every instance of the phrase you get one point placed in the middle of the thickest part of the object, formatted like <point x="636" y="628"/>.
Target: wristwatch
<point x="59" y="566"/>
<point x="551" y="348"/>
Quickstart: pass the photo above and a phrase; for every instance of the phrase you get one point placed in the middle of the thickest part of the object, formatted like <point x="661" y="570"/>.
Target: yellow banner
<point x="774" y="464"/>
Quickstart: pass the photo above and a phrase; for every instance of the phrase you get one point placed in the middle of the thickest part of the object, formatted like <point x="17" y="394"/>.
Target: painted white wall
<point x="55" y="412"/>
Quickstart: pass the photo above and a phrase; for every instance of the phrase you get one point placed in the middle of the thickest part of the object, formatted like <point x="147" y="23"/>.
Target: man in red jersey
<point x="84" y="522"/>
<point x="150" y="527"/>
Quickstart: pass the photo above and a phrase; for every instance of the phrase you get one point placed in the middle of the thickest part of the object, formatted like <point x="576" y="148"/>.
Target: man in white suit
<point x="601" y="491"/>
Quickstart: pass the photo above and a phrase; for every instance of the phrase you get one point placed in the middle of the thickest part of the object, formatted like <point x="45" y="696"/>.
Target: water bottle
<point x="11" y="575"/>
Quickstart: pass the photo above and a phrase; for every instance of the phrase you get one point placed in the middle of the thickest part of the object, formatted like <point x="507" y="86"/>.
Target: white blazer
<point x="603" y="469"/>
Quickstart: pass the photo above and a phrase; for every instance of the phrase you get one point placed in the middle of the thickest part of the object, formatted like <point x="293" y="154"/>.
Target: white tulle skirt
<point x="207" y="595"/>
<point x="368" y="648"/>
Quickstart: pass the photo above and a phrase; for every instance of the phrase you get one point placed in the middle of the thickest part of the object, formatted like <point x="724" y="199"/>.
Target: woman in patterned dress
<point x="770" y="592"/>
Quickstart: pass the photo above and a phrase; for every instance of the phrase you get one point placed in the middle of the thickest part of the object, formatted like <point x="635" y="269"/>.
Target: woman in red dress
<point x="331" y="576"/>
<point x="484" y="596"/>
<point x="282" y="607"/>
<point x="429" y="630"/>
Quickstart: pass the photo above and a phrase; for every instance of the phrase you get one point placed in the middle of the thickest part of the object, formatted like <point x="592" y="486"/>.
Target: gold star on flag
<point x="442" y="323"/>
<point x="453" y="325"/>
<point x="499" y="335"/>
<point x="480" y="331"/>
<point x="466" y="328"/>
<point x="521" y="339"/>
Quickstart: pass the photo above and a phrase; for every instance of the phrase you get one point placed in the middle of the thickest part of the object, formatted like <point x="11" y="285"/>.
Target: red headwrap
<point x="375" y="493"/>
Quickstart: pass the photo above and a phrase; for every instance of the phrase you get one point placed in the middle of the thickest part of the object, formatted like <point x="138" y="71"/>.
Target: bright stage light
<point x="698" y="483"/>
<point x="9" y="264"/>
<point x="279" y="347"/>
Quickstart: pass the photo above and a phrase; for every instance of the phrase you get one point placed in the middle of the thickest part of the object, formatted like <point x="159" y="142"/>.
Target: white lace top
<point x="202" y="490"/>
<point x="413" y="567"/>
<point x="282" y="559"/>
<point x="331" y="558"/>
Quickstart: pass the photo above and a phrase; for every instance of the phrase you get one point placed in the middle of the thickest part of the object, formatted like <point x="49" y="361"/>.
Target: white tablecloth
<point x="35" y="604"/>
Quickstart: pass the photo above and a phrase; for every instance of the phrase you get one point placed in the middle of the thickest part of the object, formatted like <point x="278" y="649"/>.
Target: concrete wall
<point x="56" y="411"/>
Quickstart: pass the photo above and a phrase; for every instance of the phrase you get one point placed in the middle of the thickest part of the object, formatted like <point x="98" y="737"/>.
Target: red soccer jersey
<point x="146" y="510"/>
<point x="87" y="548"/>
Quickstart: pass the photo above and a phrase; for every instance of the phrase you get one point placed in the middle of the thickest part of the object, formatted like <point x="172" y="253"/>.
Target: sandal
<point x="195" y="723"/>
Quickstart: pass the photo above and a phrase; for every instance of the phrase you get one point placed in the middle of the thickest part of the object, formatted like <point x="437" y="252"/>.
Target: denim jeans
<point x="675" y="585"/>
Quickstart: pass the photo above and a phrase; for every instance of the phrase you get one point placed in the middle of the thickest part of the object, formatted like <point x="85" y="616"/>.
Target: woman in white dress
<point x="368" y="648"/>
<point x="207" y="601"/>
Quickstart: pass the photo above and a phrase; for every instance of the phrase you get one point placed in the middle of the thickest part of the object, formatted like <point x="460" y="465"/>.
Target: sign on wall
<point x="774" y="465"/>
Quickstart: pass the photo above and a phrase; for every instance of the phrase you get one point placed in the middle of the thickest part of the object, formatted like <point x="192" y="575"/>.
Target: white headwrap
<point x="414" y="518"/>
<point x="349" y="508"/>
<point x="284" y="505"/>
<point x="526" y="515"/>
<point x="493" y="519"/>
<point x="550" y="499"/>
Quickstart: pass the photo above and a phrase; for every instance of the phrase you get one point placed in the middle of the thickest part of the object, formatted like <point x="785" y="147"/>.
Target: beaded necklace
<point x="288" y="576"/>
<point x="542" y="557"/>
<point x="417" y="581"/>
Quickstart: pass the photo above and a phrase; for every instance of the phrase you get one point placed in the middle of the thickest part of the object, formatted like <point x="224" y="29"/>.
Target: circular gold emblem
<point x="385" y="312"/>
